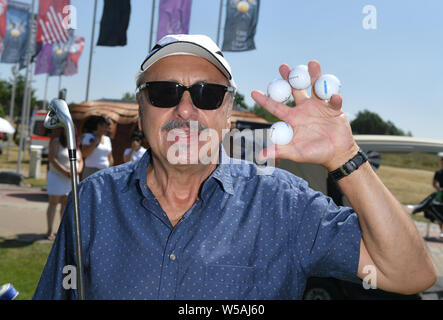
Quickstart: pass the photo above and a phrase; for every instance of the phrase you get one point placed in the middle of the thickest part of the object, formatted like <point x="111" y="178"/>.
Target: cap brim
<point x="184" y="47"/>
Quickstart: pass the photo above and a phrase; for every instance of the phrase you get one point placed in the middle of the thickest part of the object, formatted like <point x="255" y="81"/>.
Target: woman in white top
<point x="58" y="183"/>
<point x="136" y="150"/>
<point x="97" y="148"/>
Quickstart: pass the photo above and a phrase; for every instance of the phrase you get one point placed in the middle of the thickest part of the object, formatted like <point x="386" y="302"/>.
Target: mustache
<point x="178" y="124"/>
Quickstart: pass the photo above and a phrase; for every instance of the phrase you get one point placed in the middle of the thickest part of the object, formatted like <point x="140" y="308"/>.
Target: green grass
<point x="411" y="160"/>
<point x="22" y="264"/>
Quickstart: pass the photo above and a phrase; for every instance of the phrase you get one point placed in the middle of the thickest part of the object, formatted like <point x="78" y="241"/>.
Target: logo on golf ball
<point x="279" y="90"/>
<point x="299" y="77"/>
<point x="326" y="86"/>
<point x="281" y="133"/>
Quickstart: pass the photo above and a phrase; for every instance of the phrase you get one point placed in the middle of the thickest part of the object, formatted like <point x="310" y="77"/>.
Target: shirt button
<point x="172" y="257"/>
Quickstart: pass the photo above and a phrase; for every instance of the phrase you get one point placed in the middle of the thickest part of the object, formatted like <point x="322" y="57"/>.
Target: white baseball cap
<point x="189" y="44"/>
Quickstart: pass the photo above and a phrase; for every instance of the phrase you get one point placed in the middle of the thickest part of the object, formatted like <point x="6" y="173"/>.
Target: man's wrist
<point x="341" y="158"/>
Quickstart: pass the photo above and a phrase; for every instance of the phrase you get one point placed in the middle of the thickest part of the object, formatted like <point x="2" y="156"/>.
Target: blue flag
<point x="17" y="30"/>
<point x="60" y="53"/>
<point x="240" y="25"/>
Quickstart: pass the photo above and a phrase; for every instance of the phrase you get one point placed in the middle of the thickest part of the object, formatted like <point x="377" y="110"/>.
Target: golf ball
<point x="299" y="77"/>
<point x="281" y="133"/>
<point x="326" y="86"/>
<point x="279" y="90"/>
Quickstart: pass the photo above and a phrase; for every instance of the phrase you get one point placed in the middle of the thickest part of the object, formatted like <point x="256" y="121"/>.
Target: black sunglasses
<point x="167" y="94"/>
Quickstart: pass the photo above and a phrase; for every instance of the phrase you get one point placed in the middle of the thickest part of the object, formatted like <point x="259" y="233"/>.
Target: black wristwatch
<point x="350" y="166"/>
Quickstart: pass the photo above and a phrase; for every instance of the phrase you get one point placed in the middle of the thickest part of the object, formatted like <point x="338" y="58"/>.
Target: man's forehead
<point x="187" y="64"/>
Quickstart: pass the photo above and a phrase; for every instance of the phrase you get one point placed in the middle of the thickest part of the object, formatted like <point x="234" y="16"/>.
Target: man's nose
<point x="185" y="108"/>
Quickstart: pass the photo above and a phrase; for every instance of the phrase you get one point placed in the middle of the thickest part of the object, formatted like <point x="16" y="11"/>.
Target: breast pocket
<point x="227" y="282"/>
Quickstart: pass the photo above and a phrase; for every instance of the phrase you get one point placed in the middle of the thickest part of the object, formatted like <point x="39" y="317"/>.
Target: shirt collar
<point x="222" y="173"/>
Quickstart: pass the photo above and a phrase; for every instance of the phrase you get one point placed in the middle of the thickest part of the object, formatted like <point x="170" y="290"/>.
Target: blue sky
<point x="395" y="70"/>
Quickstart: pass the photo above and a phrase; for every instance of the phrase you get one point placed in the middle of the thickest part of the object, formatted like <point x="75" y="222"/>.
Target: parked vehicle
<point x="39" y="135"/>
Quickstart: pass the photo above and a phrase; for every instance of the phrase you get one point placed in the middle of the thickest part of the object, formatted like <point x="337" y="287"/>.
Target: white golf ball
<point x="279" y="90"/>
<point x="326" y="86"/>
<point x="281" y="133"/>
<point x="299" y="77"/>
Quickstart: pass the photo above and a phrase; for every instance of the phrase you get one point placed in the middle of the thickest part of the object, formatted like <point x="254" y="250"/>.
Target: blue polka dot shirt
<point x="250" y="235"/>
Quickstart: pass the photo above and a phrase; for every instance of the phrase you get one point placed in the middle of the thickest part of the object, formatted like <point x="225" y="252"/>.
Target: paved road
<point x="23" y="217"/>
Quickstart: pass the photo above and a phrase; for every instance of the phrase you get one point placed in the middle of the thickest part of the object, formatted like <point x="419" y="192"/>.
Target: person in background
<point x="437" y="183"/>
<point x="97" y="148"/>
<point x="136" y="150"/>
<point x="58" y="183"/>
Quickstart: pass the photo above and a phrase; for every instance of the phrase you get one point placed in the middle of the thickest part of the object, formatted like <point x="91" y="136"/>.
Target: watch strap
<point x="350" y="166"/>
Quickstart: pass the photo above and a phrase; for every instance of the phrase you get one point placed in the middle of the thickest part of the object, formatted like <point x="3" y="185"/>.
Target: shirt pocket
<point x="227" y="282"/>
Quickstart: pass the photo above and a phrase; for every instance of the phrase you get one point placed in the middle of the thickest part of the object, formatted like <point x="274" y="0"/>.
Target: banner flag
<point x="240" y="25"/>
<point x="3" y="8"/>
<point x="35" y="47"/>
<point x="74" y="53"/>
<point x="17" y="29"/>
<point x="173" y="17"/>
<point x="50" y="26"/>
<point x="43" y="61"/>
<point x="114" y="23"/>
<point x="60" y="53"/>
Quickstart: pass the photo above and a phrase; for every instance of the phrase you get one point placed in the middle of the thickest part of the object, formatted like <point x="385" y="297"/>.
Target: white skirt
<point x="58" y="185"/>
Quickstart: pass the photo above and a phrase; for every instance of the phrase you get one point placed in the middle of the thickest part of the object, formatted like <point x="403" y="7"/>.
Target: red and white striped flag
<point x="50" y="25"/>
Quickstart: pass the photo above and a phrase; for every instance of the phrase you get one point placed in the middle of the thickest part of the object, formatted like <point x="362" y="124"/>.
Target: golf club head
<point x="59" y="116"/>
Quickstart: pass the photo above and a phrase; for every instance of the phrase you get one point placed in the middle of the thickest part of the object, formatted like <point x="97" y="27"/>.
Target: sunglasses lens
<point x="208" y="96"/>
<point x="164" y="94"/>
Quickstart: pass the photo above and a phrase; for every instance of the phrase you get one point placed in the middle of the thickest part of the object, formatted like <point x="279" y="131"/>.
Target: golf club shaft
<point x="77" y="229"/>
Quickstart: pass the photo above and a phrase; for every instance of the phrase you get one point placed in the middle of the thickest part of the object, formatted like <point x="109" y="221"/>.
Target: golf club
<point x="59" y="116"/>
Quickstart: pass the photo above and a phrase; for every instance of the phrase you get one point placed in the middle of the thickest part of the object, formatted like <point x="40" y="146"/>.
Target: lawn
<point x="9" y="163"/>
<point x="22" y="264"/>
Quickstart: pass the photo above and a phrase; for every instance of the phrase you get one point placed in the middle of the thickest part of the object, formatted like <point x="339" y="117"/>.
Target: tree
<point x="129" y="96"/>
<point x="6" y="92"/>
<point x="367" y="122"/>
<point x="239" y="102"/>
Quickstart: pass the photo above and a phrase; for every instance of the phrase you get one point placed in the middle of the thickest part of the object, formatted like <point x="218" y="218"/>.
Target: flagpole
<point x="219" y="22"/>
<point x="59" y="84"/>
<point x="23" y="116"/>
<point x="11" y="107"/>
<point x="46" y="91"/>
<point x="91" y="50"/>
<point x="152" y="25"/>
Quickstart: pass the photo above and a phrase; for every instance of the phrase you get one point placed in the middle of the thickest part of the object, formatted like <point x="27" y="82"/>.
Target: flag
<point x="74" y="53"/>
<point x="60" y="53"/>
<point x="114" y="23"/>
<point x="173" y="17"/>
<point x="50" y="26"/>
<point x="240" y="25"/>
<point x="43" y="61"/>
<point x="35" y="47"/>
<point x="3" y="8"/>
<point x="17" y="29"/>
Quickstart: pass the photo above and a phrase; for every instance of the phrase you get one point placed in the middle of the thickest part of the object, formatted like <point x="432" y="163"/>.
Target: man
<point x="186" y="222"/>
<point x="437" y="183"/>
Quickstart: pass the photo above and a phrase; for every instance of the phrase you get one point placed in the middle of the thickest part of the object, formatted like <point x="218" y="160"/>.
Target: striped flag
<point x="50" y="26"/>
